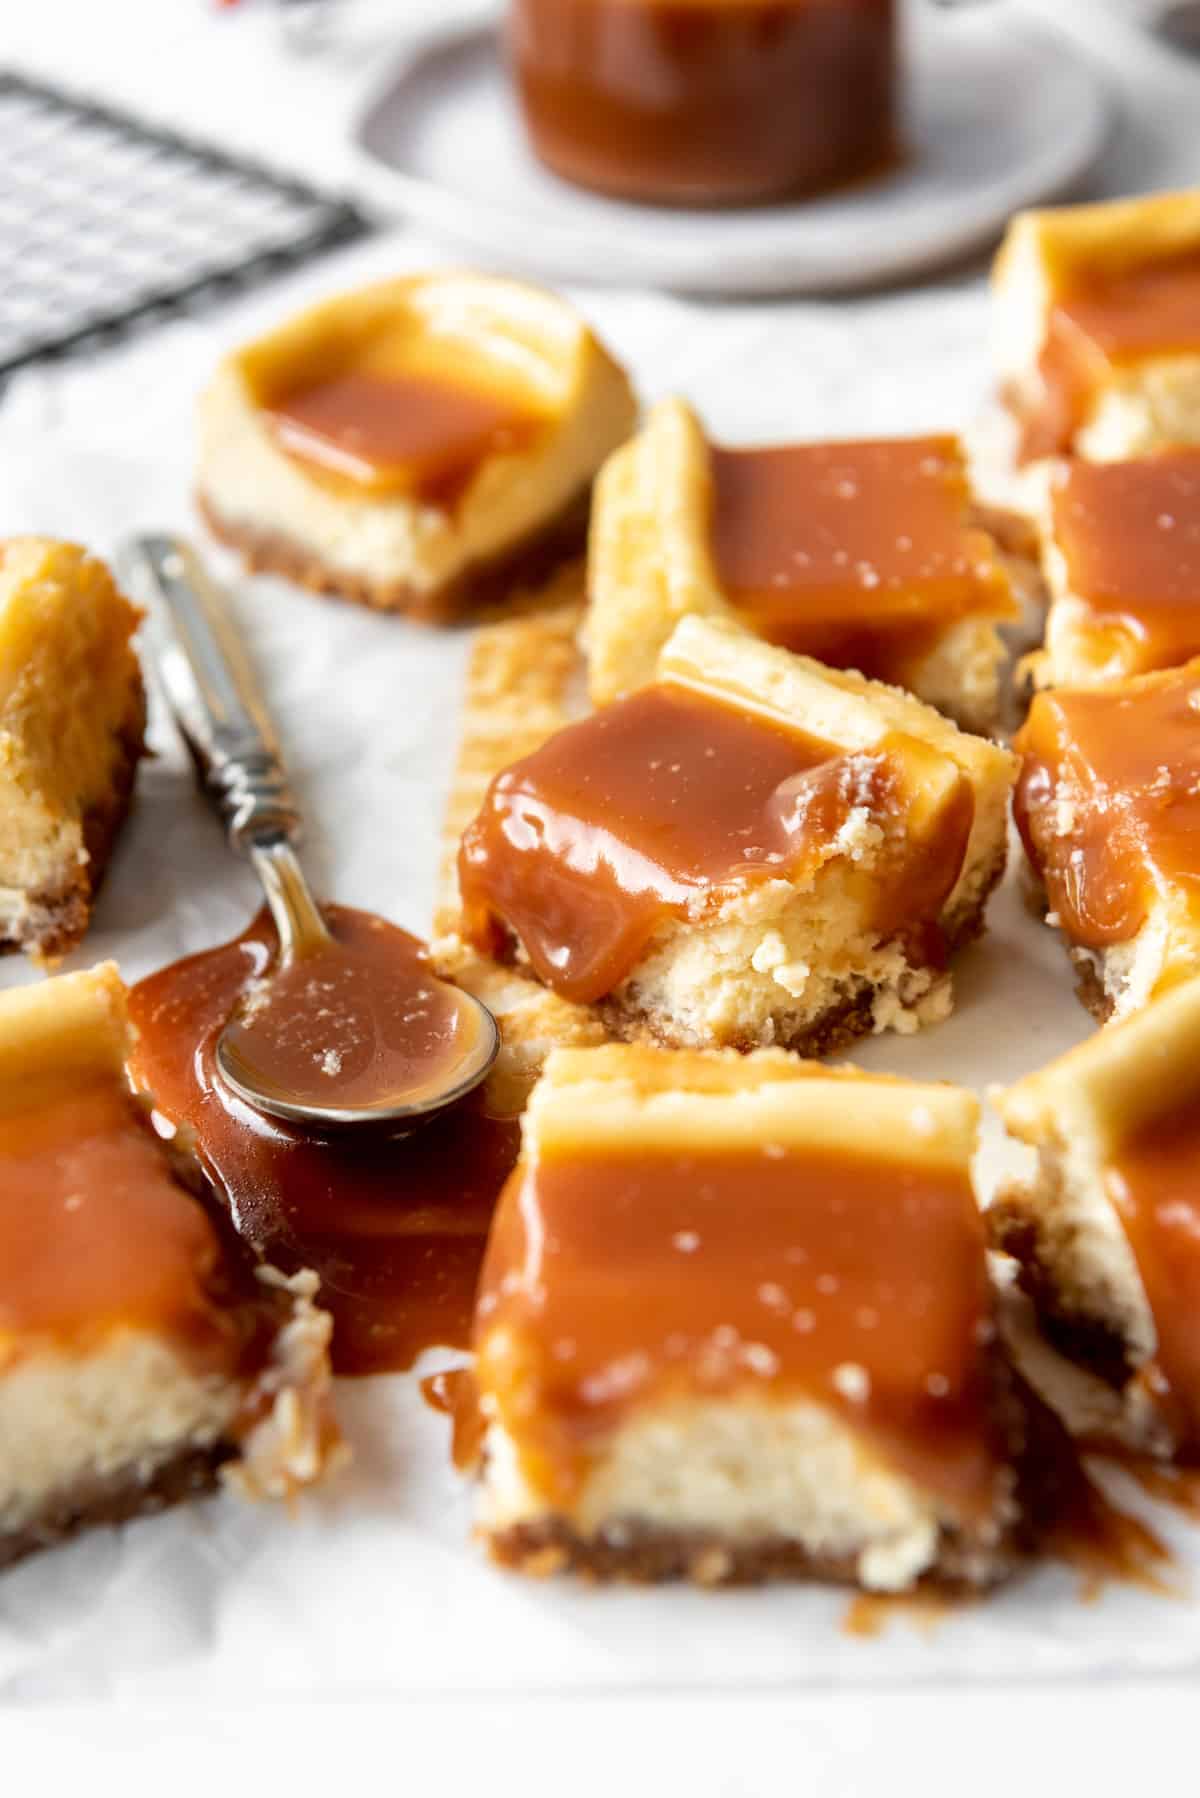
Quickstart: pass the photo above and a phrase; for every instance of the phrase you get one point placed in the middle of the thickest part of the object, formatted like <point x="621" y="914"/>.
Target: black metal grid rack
<point x="105" y="222"/>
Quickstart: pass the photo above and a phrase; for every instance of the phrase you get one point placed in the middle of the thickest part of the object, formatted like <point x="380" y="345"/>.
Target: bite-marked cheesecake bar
<point x="420" y="445"/>
<point x="1106" y="1233"/>
<point x="735" y="1323"/>
<point x="142" y="1355"/>
<point x="1121" y="550"/>
<point x="72" y="717"/>
<point x="1108" y="806"/>
<point x="1096" y="326"/>
<point x="751" y="850"/>
<point x="861" y="555"/>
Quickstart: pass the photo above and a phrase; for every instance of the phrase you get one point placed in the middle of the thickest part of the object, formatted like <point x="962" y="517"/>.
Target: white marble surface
<point x="743" y="1696"/>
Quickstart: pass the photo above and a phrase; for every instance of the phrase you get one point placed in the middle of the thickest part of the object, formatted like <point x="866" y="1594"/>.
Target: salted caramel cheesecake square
<point x="1107" y="1231"/>
<point x="142" y="1354"/>
<point x="1096" y="326"/>
<point x="735" y="1323"/>
<point x="72" y="717"/>
<point x="750" y="850"/>
<point x="1108" y="806"/>
<point x="1121" y="550"/>
<point x="418" y="445"/>
<point x="862" y="555"/>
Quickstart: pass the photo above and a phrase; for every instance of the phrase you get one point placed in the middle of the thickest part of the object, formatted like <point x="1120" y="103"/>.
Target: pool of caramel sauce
<point x="394" y="1227"/>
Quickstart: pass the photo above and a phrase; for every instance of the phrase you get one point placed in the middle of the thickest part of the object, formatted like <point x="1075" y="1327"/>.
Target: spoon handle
<point x="211" y="689"/>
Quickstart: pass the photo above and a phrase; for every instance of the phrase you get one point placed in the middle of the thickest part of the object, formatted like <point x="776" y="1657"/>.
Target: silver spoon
<point x="210" y="687"/>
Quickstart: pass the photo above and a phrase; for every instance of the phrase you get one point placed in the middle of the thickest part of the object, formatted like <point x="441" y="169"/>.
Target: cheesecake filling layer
<point x="1097" y="328"/>
<point x="636" y="814"/>
<point x="1129" y="537"/>
<point x="858" y="554"/>
<point x="624" y="1277"/>
<point x="1108" y="802"/>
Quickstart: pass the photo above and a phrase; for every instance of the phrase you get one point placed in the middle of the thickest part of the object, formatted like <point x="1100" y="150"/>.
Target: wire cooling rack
<point x="105" y="221"/>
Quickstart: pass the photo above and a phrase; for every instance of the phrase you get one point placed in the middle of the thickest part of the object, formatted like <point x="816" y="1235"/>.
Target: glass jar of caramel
<point x="707" y="102"/>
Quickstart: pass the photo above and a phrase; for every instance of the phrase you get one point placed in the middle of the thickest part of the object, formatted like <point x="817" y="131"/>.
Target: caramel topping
<point x="1108" y="801"/>
<point x="96" y="1236"/>
<point x="1104" y="323"/>
<point x="856" y="553"/>
<point x="707" y="102"/>
<point x="633" y="815"/>
<point x="454" y="1393"/>
<point x="381" y="432"/>
<point x="353" y="1027"/>
<point x="1155" y="1184"/>
<point x="1130" y="536"/>
<point x="395" y="1228"/>
<point x="626" y="1277"/>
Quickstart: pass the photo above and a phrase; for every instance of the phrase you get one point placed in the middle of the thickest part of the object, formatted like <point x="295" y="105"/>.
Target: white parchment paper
<point x="373" y="1587"/>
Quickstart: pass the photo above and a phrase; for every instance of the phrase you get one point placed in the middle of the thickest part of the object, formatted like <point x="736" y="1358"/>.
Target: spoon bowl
<point x="396" y="1114"/>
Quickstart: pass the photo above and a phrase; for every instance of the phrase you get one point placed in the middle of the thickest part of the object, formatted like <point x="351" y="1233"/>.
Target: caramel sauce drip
<point x="1168" y="1483"/>
<point x="1108" y="802"/>
<point x="856" y="553"/>
<point x="633" y="815"/>
<point x="870" y="1614"/>
<point x="1104" y="323"/>
<point x="96" y="1235"/>
<point x="1073" y="1520"/>
<point x="1130" y="535"/>
<point x="1154" y="1183"/>
<point x="454" y="1393"/>
<point x="383" y="433"/>
<point x="707" y="102"/>
<point x="631" y="1277"/>
<point x="394" y="1227"/>
<point x="345" y="1025"/>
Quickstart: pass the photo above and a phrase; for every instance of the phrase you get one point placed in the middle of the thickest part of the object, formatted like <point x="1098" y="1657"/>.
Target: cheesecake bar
<point x="419" y="445"/>
<point x="142" y="1354"/>
<point x="72" y="716"/>
<point x="734" y="1323"/>
<point x="1108" y="806"/>
<point x="1122" y="559"/>
<point x="861" y="555"/>
<point x="1107" y="1232"/>
<point x="751" y="850"/>
<point x="1096" y="327"/>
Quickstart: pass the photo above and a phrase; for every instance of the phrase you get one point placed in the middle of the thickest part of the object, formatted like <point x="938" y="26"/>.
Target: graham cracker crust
<point x="1013" y="1230"/>
<point x="57" y="921"/>
<point x="526" y="563"/>
<point x="837" y="1028"/>
<point x="116" y="1498"/>
<point x="1090" y="989"/>
<point x="642" y="1554"/>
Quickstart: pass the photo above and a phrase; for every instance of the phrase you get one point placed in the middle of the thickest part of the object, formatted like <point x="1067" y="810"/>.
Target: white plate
<point x="1002" y="113"/>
